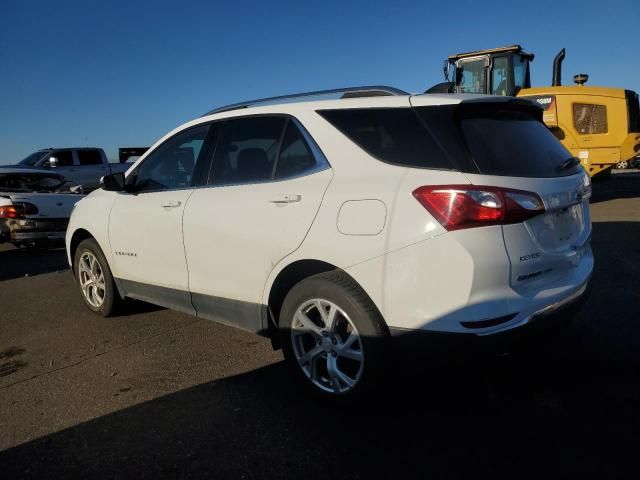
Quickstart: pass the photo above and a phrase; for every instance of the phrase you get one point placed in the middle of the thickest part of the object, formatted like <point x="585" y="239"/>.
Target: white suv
<point x="335" y="226"/>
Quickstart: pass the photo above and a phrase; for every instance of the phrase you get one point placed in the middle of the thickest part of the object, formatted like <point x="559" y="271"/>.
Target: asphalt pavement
<point x="158" y="394"/>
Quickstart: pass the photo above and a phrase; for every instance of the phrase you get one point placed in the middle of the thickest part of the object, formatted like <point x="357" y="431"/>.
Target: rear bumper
<point x="542" y="322"/>
<point x="24" y="231"/>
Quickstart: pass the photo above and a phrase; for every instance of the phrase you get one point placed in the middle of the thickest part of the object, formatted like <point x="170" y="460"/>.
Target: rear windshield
<point x="486" y="139"/>
<point x="34" y="182"/>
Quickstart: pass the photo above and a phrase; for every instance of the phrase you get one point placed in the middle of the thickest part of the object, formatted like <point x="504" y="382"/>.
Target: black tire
<point x="340" y="289"/>
<point x="112" y="300"/>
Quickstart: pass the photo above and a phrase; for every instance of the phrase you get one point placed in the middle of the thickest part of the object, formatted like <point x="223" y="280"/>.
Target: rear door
<point x="91" y="167"/>
<point x="264" y="189"/>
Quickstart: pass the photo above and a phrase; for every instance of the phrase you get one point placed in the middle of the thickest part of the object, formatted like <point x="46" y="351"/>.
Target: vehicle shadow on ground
<point x="21" y="262"/>
<point x="566" y="405"/>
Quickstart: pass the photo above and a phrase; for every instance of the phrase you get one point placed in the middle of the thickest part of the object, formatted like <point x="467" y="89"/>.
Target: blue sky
<point x="123" y="73"/>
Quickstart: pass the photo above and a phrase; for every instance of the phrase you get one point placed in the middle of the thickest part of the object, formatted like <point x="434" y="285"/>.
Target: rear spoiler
<point x="517" y="102"/>
<point x="125" y="153"/>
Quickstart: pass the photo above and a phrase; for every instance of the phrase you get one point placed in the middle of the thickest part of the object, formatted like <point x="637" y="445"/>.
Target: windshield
<point x="34" y="158"/>
<point x="34" y="182"/>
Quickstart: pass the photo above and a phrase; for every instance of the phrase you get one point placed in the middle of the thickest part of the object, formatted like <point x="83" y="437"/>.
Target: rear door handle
<point x="174" y="204"/>
<point x="287" y="199"/>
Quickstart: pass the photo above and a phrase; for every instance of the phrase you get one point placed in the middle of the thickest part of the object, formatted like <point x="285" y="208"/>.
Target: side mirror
<point x="53" y="162"/>
<point x="113" y="183"/>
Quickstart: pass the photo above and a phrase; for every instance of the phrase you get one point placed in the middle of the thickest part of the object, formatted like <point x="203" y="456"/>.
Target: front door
<point x="145" y="227"/>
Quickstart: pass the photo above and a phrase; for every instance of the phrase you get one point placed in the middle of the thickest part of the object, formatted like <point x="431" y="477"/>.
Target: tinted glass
<point x="33" y="158"/>
<point x="295" y="156"/>
<point x="247" y="150"/>
<point x="513" y="144"/>
<point x="393" y="135"/>
<point x="30" y="182"/>
<point x="89" y="157"/>
<point x="171" y="165"/>
<point x="65" y="158"/>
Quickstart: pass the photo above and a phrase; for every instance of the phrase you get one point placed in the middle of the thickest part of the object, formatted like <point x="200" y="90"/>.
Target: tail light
<point x="466" y="206"/>
<point x="19" y="210"/>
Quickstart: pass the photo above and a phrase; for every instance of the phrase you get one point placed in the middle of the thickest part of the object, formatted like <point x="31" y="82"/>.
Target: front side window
<point x="499" y="76"/>
<point x="64" y="157"/>
<point x="89" y="157"/>
<point x="171" y="165"/>
<point x="247" y="150"/>
<point x="589" y="118"/>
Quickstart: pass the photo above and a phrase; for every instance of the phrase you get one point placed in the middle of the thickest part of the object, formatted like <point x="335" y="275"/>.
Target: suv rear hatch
<point x="503" y="143"/>
<point x="521" y="176"/>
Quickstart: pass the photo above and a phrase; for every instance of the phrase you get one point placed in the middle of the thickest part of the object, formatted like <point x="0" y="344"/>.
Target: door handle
<point x="174" y="204"/>
<point x="287" y="199"/>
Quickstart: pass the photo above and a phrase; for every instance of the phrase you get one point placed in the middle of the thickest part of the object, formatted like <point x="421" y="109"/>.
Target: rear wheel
<point x="332" y="334"/>
<point x="94" y="279"/>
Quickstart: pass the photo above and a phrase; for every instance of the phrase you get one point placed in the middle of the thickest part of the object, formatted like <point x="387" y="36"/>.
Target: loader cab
<point x="498" y="71"/>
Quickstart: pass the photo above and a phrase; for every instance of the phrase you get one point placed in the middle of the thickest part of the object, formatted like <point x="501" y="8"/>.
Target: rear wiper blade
<point x="569" y="163"/>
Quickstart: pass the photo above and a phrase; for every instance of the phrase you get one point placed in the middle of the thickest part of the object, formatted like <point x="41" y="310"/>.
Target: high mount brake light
<point x="466" y="206"/>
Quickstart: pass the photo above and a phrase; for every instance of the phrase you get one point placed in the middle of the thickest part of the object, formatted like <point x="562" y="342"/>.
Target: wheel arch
<point x="78" y="236"/>
<point x="286" y="279"/>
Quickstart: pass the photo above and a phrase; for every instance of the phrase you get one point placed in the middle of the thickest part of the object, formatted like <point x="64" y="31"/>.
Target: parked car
<point x="35" y="206"/>
<point x="85" y="166"/>
<point x="339" y="226"/>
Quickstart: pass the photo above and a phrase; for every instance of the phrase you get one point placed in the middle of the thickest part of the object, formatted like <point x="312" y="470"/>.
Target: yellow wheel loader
<point x="598" y="125"/>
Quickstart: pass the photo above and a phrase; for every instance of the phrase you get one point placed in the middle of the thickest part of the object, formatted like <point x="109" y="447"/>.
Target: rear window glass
<point x="490" y="139"/>
<point x="393" y="135"/>
<point x="89" y="157"/>
<point x="30" y="182"/>
<point x="514" y="144"/>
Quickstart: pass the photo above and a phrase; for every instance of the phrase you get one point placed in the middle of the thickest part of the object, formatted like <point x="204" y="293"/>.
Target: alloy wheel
<point x="92" y="282"/>
<point x="327" y="346"/>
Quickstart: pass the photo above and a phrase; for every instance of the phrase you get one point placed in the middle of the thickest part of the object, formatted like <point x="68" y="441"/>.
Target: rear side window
<point x="589" y="118"/>
<point x="393" y="135"/>
<point x="89" y="157"/>
<point x="247" y="150"/>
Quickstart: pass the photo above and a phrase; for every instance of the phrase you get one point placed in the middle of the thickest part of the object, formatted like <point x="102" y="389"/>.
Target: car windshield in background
<point x="485" y="139"/>
<point x="33" y="159"/>
<point x="34" y="182"/>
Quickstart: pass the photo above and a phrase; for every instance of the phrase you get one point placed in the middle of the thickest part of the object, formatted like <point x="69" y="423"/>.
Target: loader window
<point x="473" y="76"/>
<point x="499" y="76"/>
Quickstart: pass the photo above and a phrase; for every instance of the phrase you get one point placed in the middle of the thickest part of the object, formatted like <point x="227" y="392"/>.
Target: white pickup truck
<point x="84" y="166"/>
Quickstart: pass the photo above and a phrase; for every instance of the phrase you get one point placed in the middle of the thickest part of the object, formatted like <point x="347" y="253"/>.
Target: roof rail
<point x="348" y="92"/>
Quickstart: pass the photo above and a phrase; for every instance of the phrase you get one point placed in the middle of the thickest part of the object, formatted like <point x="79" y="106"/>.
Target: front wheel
<point x="332" y="334"/>
<point x="94" y="279"/>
